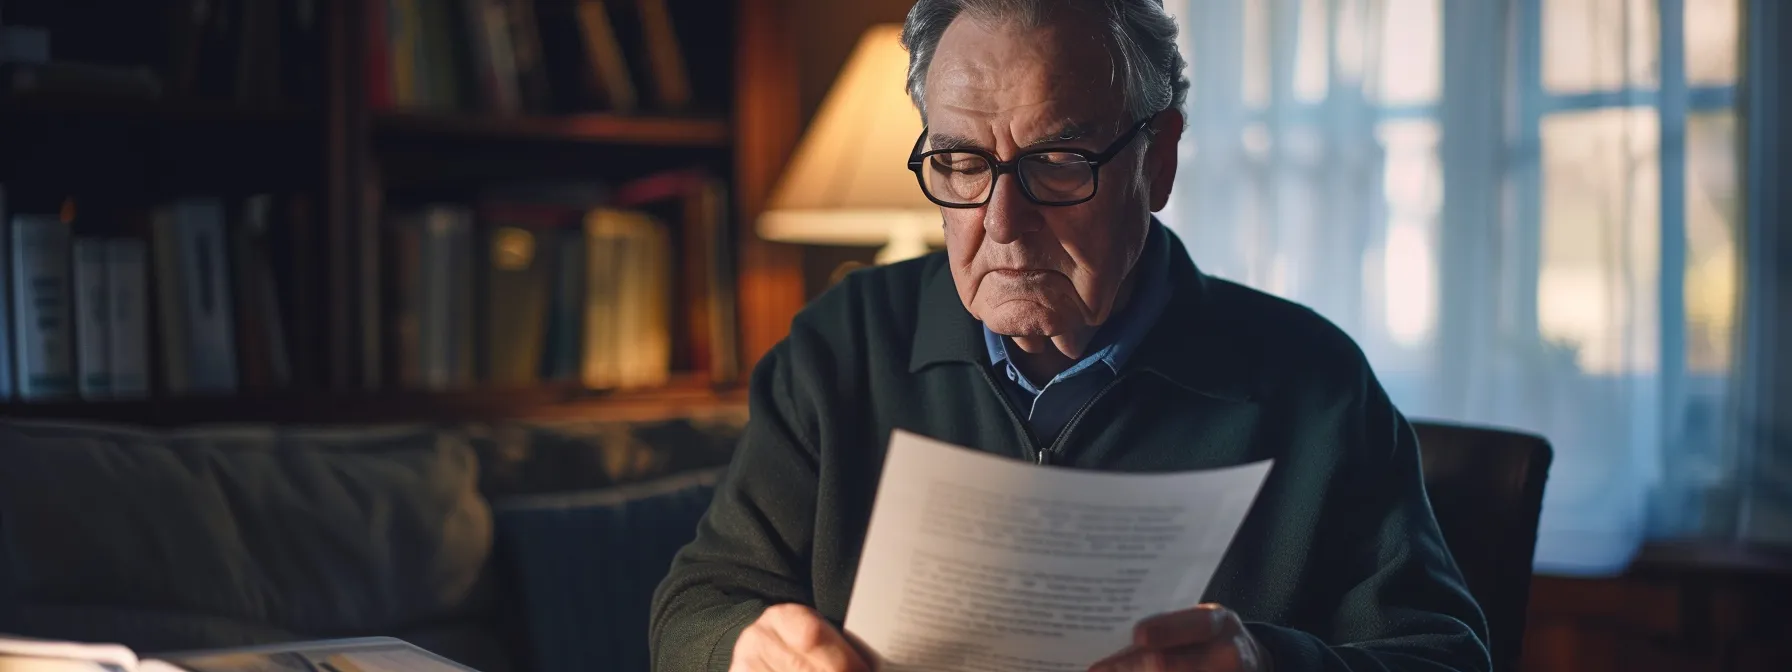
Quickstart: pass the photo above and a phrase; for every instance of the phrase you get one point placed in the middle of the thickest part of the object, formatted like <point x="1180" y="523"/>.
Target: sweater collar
<point x="1184" y="347"/>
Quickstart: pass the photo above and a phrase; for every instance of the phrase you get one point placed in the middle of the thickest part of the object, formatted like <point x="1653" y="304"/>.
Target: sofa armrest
<point x="586" y="565"/>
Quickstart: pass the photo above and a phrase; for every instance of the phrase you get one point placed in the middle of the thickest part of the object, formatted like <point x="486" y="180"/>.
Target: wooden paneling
<point x="766" y="129"/>
<point x="1675" y="611"/>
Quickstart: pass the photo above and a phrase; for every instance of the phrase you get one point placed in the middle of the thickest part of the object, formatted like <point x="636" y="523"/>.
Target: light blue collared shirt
<point x="1049" y="407"/>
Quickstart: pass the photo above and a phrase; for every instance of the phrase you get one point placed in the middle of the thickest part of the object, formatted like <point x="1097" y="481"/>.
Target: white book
<point x="43" y="342"/>
<point x="93" y="318"/>
<point x="127" y="274"/>
<point x="200" y="296"/>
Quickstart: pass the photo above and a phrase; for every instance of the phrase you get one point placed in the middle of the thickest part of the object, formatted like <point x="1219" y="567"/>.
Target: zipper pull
<point x="1043" y="458"/>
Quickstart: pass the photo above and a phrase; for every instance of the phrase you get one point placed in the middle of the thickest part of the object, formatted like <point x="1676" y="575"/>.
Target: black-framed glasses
<point x="966" y="177"/>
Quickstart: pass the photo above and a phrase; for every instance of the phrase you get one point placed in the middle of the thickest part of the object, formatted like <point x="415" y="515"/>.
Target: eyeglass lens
<point x="1049" y="177"/>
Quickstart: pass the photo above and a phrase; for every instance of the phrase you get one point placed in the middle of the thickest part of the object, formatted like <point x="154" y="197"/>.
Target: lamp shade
<point x="848" y="182"/>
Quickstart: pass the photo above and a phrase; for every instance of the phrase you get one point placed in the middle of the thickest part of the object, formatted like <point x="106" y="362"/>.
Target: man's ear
<point x="1160" y="158"/>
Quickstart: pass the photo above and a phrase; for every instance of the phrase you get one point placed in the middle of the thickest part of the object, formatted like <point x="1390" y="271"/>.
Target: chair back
<point x="1486" y="489"/>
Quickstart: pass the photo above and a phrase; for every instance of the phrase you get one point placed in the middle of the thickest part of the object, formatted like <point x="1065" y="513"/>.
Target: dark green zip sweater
<point x="1339" y="565"/>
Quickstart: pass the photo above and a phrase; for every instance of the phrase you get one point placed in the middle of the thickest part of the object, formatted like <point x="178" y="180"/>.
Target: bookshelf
<point x="593" y="128"/>
<point x="343" y="165"/>
<point x="39" y="108"/>
<point x="685" y="395"/>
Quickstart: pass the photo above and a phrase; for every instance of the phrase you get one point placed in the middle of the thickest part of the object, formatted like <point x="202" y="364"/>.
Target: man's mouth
<point x="1025" y="275"/>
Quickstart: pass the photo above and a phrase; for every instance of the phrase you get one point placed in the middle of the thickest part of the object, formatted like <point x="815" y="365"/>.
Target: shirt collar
<point x="1116" y="341"/>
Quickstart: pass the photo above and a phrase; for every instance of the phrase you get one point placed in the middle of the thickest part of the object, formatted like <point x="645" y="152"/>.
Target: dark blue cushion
<point x="587" y="564"/>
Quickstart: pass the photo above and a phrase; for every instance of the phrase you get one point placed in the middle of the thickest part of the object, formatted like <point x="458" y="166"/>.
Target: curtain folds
<point x="1524" y="211"/>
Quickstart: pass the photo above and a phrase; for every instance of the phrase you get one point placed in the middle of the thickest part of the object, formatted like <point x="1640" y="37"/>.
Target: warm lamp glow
<point x="848" y="182"/>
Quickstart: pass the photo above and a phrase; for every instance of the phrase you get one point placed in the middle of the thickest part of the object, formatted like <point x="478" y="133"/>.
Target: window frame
<point x="1673" y="99"/>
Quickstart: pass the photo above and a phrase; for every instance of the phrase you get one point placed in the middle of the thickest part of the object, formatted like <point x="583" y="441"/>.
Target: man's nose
<point x="1009" y="215"/>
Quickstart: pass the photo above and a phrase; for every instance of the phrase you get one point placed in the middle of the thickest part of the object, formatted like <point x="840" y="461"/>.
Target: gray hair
<point x="1141" y="33"/>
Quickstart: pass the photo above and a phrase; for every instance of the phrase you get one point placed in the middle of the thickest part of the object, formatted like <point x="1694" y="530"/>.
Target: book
<point x="199" y="335"/>
<point x="42" y="297"/>
<point x="445" y="315"/>
<point x="365" y="654"/>
<point x="127" y="271"/>
<point x="665" y="58"/>
<point x="608" y="68"/>
<point x="260" y="329"/>
<point x="515" y="269"/>
<point x="696" y="204"/>
<point x="628" y="331"/>
<point x="562" y="354"/>
<point x="93" y="318"/>
<point x="6" y="322"/>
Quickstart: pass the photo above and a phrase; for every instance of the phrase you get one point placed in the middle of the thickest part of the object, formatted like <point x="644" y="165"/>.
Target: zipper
<point x="1064" y="434"/>
<point x="1026" y="435"/>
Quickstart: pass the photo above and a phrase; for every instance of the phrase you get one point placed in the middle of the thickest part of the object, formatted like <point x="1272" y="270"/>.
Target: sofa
<point x="510" y="546"/>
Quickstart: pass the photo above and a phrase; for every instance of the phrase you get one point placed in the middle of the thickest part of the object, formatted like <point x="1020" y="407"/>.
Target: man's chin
<point x="1025" y="319"/>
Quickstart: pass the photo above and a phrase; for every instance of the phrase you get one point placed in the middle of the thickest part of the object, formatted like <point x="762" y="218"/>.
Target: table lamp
<point x="848" y="182"/>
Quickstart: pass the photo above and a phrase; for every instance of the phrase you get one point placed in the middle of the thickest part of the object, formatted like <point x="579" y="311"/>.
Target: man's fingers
<point x="810" y="639"/>
<point x="794" y="638"/>
<point x="774" y="655"/>
<point x="1189" y="626"/>
<point x="771" y="654"/>
<point x="760" y="650"/>
<point x="1218" y="656"/>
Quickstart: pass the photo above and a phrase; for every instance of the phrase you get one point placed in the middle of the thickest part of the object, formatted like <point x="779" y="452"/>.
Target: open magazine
<point x="369" y="654"/>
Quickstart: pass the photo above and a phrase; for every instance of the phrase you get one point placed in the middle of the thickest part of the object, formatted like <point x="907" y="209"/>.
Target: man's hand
<point x="793" y="638"/>
<point x="1207" y="638"/>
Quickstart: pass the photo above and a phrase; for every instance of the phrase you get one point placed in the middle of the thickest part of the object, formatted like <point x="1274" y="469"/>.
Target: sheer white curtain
<point x="1524" y="211"/>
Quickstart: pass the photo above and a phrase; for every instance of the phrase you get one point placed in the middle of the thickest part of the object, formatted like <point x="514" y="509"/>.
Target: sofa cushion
<point x="250" y="531"/>
<point x="588" y="563"/>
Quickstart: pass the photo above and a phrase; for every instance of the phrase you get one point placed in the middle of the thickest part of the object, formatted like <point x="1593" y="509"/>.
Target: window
<point x="1628" y="105"/>
<point x="1569" y="266"/>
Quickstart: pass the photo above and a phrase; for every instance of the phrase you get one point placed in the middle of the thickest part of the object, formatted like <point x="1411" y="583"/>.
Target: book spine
<point x="378" y="66"/>
<point x="44" y="345"/>
<point x="567" y="312"/>
<point x="127" y="273"/>
<point x="93" y="319"/>
<point x="247" y="267"/>
<point x="402" y="20"/>
<point x="475" y="18"/>
<point x="532" y="76"/>
<point x="265" y="282"/>
<point x="446" y="315"/>
<point x="407" y="300"/>
<point x="211" y="345"/>
<point x="672" y="83"/>
<point x="603" y="52"/>
<point x="502" y="48"/>
<point x="171" y="310"/>
<point x="6" y="321"/>
<point x="464" y="295"/>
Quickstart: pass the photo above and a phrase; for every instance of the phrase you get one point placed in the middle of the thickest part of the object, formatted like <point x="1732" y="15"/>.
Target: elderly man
<point x="1063" y="325"/>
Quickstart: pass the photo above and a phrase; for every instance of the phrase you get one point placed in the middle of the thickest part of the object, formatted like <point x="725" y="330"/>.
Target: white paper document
<point x="979" y="563"/>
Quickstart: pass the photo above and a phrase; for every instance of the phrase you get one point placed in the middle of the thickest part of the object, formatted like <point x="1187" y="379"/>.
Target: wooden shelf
<point x="613" y="129"/>
<point x="1713" y="557"/>
<point x="684" y="397"/>
<point x="128" y="109"/>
